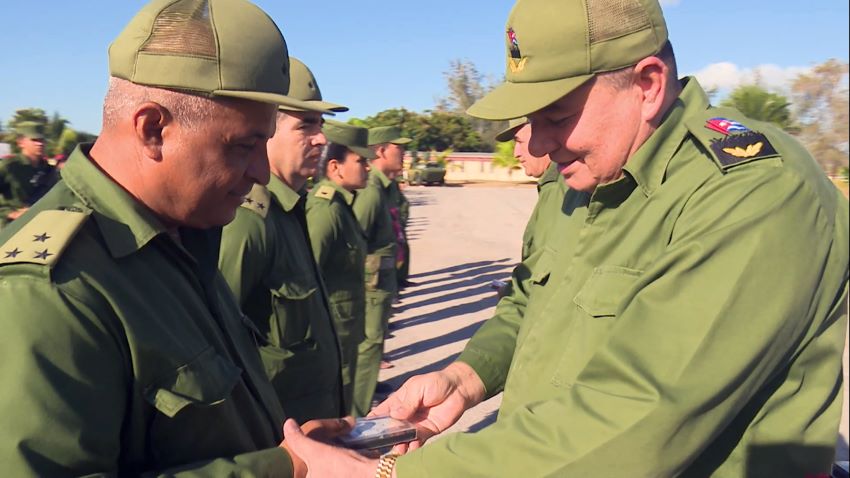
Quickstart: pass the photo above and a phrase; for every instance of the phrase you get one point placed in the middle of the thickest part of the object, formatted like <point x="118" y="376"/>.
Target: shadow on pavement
<point x="486" y="421"/>
<point x="460" y="334"/>
<point x="449" y="312"/>
<point x="460" y="267"/>
<point x="498" y="273"/>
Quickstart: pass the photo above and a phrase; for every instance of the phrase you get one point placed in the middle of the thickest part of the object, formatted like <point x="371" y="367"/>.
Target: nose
<point x="320" y="139"/>
<point x="542" y="140"/>
<point x="258" y="169"/>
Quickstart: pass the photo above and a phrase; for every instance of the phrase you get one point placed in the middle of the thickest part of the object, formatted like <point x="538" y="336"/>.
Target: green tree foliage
<point x="504" y="156"/>
<point x="760" y="104"/>
<point x="432" y="130"/>
<point x="466" y="86"/>
<point x="822" y="106"/>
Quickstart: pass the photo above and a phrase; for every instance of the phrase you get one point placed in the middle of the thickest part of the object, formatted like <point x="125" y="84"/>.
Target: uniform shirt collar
<point x="385" y="181"/>
<point x="127" y="225"/>
<point x="549" y="176"/>
<point x="285" y="195"/>
<point x="649" y="164"/>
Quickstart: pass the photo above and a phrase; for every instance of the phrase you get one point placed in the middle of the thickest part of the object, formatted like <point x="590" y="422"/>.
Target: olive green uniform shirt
<point x="550" y="196"/>
<point x="122" y="351"/>
<point x="687" y="321"/>
<point x="339" y="247"/>
<point x="267" y="261"/>
<point x="22" y="183"/>
<point x="372" y="209"/>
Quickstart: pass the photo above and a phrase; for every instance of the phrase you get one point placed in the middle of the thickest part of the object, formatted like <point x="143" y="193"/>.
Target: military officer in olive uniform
<point x="400" y="212"/>
<point x="27" y="176"/>
<point x="372" y="208"/>
<point x="339" y="244"/>
<point x="550" y="185"/>
<point x="688" y="311"/>
<point x="267" y="261"/>
<point x="123" y="351"/>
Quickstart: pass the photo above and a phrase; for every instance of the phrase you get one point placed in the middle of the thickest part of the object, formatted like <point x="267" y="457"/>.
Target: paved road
<point x="461" y="239"/>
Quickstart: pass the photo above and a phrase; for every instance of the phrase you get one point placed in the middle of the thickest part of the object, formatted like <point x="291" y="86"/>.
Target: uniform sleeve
<point x="490" y="351"/>
<point x="366" y="207"/>
<point x="7" y="202"/>
<point x="243" y="258"/>
<point x="324" y="228"/>
<point x="62" y="411"/>
<point x="717" y="317"/>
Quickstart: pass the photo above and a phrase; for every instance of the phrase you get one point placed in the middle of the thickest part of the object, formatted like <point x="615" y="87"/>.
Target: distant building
<point x="477" y="167"/>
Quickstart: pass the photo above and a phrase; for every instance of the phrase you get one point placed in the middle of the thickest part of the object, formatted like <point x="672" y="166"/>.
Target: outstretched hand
<point x="319" y="459"/>
<point x="433" y="402"/>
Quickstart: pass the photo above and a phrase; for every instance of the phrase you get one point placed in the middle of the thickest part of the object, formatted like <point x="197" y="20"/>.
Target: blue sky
<point x="377" y="54"/>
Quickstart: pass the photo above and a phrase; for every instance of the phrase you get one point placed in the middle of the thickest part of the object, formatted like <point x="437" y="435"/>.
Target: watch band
<point x="385" y="466"/>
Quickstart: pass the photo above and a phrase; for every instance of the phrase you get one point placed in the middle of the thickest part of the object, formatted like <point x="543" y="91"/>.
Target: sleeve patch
<point x="742" y="148"/>
<point x="43" y="239"/>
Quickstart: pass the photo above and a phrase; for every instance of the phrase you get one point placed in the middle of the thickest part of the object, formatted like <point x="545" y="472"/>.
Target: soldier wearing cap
<point x="339" y="245"/>
<point x="373" y="210"/>
<point x="688" y="311"/>
<point x="550" y="185"/>
<point x="267" y="261"/>
<point x="124" y="351"/>
<point x="27" y="176"/>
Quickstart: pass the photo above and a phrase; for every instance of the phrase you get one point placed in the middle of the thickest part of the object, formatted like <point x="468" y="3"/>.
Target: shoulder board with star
<point x="43" y="239"/>
<point x="325" y="192"/>
<point x="258" y="200"/>
<point x="725" y="134"/>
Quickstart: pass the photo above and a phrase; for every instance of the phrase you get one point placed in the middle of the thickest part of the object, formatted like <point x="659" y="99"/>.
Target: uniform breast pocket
<point x="293" y="308"/>
<point x="541" y="266"/>
<point x="595" y="309"/>
<point x="186" y="400"/>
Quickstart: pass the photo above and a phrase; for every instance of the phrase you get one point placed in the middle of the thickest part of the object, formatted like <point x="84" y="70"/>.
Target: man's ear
<point x="651" y="77"/>
<point x="149" y="120"/>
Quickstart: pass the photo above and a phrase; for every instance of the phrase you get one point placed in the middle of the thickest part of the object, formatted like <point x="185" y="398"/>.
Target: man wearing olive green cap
<point x="27" y="176"/>
<point x="372" y="207"/>
<point x="550" y="185"/>
<point x="667" y="329"/>
<point x="266" y="259"/>
<point x="339" y="245"/>
<point x="388" y="141"/>
<point x="125" y="351"/>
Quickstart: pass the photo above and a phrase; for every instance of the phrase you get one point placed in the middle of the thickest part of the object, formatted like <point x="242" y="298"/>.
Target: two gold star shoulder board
<point x="258" y="200"/>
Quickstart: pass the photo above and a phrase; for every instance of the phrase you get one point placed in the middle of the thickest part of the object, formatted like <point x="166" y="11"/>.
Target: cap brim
<point x="512" y="100"/>
<point x="508" y="134"/>
<point x="318" y="104"/>
<point x="365" y="152"/>
<point x="401" y="141"/>
<point x="274" y="98"/>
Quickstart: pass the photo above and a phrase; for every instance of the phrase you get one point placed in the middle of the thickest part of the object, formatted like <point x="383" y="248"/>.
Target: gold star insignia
<point x="249" y="200"/>
<point x="261" y="205"/>
<point x="41" y="237"/>
<point x="13" y="253"/>
<point x="42" y="255"/>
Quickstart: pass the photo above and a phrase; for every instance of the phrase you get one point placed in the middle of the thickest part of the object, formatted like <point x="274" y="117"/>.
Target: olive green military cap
<point x="30" y="129"/>
<point x="211" y="47"/>
<point x="553" y="48"/>
<point x="352" y="137"/>
<point x="304" y="87"/>
<point x="386" y="134"/>
<point x="514" y="125"/>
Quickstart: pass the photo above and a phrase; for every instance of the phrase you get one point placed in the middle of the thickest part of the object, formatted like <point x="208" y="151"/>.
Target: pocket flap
<point x="206" y="380"/>
<point x="603" y="292"/>
<point x="541" y="267"/>
<point x="298" y="287"/>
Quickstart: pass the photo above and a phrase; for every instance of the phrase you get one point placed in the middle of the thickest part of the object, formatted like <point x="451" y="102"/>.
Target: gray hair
<point x="122" y="97"/>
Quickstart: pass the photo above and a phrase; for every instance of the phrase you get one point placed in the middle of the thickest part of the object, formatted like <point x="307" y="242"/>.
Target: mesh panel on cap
<point x="183" y="28"/>
<point x="608" y="19"/>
